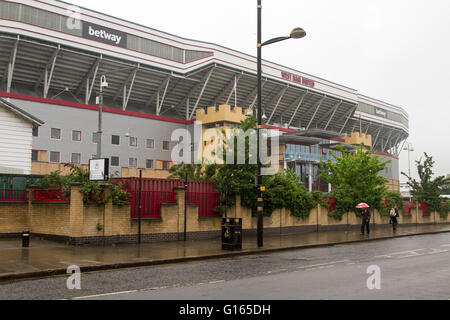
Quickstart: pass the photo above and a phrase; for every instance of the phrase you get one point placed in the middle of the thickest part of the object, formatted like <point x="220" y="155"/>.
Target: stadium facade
<point x="53" y="55"/>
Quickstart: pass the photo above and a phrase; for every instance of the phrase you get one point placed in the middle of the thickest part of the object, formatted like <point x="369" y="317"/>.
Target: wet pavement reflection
<point x="48" y="255"/>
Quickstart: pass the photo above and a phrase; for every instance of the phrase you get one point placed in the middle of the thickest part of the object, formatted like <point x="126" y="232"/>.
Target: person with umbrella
<point x="366" y="217"/>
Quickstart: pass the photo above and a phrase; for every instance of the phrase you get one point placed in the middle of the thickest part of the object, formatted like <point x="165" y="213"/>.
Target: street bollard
<point x="25" y="239"/>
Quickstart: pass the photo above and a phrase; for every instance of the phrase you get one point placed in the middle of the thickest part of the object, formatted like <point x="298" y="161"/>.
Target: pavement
<point x="47" y="258"/>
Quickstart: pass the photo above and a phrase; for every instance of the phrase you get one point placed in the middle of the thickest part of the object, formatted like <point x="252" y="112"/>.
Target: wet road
<point x="410" y="268"/>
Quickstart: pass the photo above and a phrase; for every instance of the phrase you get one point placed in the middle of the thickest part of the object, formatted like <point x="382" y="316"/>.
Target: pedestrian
<point x="394" y="217"/>
<point x="366" y="221"/>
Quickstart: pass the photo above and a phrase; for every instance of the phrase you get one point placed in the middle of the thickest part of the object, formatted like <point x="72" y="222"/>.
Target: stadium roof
<point x="65" y="64"/>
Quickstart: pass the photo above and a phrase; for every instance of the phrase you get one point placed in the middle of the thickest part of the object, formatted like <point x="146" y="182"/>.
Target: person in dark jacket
<point x="394" y="218"/>
<point x="366" y="221"/>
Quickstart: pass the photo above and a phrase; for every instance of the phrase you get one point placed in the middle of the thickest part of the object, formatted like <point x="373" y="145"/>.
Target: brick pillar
<point x="179" y="196"/>
<point x="418" y="214"/>
<point x="76" y="224"/>
<point x="108" y="212"/>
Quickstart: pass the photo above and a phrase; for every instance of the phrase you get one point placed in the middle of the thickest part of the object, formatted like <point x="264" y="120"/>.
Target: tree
<point x="427" y="189"/>
<point x="193" y="171"/>
<point x="355" y="178"/>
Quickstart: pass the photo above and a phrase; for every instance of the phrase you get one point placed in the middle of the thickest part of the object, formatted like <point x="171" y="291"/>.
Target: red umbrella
<point x="362" y="206"/>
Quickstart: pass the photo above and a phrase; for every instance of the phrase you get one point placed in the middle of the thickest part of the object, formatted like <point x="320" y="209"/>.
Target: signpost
<point x="99" y="169"/>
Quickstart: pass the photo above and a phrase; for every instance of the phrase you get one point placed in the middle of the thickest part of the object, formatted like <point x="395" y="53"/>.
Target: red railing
<point x="207" y="202"/>
<point x="407" y="206"/>
<point x="13" y="195"/>
<point x="164" y="184"/>
<point x="151" y="203"/>
<point x="424" y="207"/>
<point x="331" y="203"/>
<point x="49" y="195"/>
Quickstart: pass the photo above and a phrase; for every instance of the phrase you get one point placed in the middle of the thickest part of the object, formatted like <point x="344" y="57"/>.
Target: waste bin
<point x="231" y="234"/>
<point x="25" y="239"/>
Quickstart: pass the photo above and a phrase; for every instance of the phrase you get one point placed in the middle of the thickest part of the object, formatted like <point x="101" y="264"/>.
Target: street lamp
<point x="297" y="33"/>
<point x="128" y="136"/>
<point x="410" y="149"/>
<point x="103" y="84"/>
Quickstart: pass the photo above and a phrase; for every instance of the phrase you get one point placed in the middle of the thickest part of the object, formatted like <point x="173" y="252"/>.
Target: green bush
<point x="445" y="208"/>
<point x="392" y="199"/>
<point x="91" y="190"/>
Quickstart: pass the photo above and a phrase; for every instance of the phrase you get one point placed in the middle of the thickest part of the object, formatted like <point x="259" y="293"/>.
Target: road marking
<point x="322" y="264"/>
<point x="277" y="271"/>
<point x="218" y="281"/>
<point x="321" y="268"/>
<point x="105" y="294"/>
<point x="391" y="255"/>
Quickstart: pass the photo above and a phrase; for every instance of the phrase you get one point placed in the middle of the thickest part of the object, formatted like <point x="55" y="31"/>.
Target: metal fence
<point x="13" y="195"/>
<point x="164" y="184"/>
<point x="207" y="202"/>
<point x="151" y="203"/>
<point x="49" y="195"/>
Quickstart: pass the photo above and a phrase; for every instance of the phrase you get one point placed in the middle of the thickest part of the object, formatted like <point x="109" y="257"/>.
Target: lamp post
<point x="297" y="33"/>
<point x="128" y="135"/>
<point x="103" y="84"/>
<point x="410" y="149"/>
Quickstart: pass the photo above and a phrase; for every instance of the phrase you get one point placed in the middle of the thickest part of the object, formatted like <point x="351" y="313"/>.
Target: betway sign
<point x="381" y="112"/>
<point x="105" y="35"/>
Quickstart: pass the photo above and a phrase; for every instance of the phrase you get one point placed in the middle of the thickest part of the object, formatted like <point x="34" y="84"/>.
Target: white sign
<point x="99" y="169"/>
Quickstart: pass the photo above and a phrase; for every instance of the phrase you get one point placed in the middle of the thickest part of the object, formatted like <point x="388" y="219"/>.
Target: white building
<point x="16" y="137"/>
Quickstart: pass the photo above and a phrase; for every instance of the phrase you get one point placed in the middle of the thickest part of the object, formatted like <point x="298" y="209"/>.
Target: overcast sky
<point x="395" y="51"/>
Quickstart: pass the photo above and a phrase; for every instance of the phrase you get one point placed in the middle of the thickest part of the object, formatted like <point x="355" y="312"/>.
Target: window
<point x="149" y="164"/>
<point x="165" y="165"/>
<point x="35" y="131"/>
<point x="34" y="155"/>
<point x="75" y="158"/>
<point x="115" y="162"/>
<point x="56" y="134"/>
<point x="150" y="143"/>
<point x="132" y="163"/>
<point x="76" y="135"/>
<point x="166" y="145"/>
<point x="115" y="140"/>
<point x="133" y="142"/>
<point x="55" y="157"/>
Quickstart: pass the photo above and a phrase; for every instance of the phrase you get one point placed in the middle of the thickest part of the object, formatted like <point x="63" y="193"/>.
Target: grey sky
<point x="395" y="51"/>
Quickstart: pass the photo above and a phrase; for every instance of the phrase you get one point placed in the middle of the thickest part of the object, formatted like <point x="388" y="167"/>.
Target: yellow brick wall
<point x="357" y="138"/>
<point x="51" y="219"/>
<point x="224" y="113"/>
<point x="78" y="220"/>
<point x="13" y="218"/>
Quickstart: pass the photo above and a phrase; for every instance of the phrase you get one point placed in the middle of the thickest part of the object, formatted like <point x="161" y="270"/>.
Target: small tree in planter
<point x="427" y="189"/>
<point x="355" y="178"/>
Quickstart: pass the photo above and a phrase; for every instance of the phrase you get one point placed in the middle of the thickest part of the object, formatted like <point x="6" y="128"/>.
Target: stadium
<point x="53" y="57"/>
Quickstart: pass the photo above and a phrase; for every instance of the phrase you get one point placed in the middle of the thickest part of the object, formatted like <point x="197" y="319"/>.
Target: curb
<point x="149" y="263"/>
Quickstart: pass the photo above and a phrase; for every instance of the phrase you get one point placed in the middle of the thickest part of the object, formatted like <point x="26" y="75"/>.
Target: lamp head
<point x="103" y="83"/>
<point x="298" y="33"/>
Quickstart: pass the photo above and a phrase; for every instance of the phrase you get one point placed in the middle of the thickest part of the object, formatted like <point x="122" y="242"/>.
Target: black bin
<point x="231" y="234"/>
<point x="25" y="239"/>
